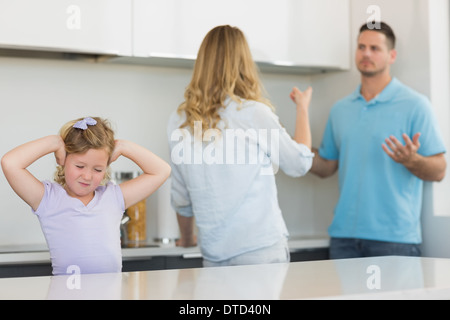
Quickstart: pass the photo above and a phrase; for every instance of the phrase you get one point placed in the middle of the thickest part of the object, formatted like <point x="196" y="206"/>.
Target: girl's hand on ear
<point x="117" y="152"/>
<point x="60" y="154"/>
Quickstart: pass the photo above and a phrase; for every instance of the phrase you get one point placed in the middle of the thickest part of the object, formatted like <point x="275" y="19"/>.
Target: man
<point x="383" y="140"/>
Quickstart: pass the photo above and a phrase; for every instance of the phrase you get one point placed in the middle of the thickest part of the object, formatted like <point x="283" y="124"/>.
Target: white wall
<point x="436" y="208"/>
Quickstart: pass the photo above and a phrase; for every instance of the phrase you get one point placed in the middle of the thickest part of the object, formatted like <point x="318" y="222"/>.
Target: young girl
<point x="80" y="213"/>
<point x="234" y="202"/>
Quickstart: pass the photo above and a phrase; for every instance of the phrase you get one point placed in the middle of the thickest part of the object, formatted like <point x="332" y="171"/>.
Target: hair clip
<point x="82" y="124"/>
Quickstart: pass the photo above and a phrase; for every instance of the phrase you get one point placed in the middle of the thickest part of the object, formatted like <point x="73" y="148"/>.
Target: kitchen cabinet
<point x="147" y="263"/>
<point x="288" y="36"/>
<point x="25" y="270"/>
<point x="184" y="261"/>
<point x="80" y="26"/>
<point x="45" y="268"/>
<point x="143" y="263"/>
<point x="282" y="35"/>
<point x="310" y="254"/>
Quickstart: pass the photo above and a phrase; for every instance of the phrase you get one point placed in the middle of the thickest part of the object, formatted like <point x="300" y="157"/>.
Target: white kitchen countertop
<point x="39" y="253"/>
<point x="364" y="278"/>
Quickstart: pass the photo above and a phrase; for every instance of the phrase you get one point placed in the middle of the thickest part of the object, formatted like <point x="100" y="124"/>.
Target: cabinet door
<point x="173" y="28"/>
<point x="100" y="26"/>
<point x="285" y="32"/>
<point x="144" y="264"/>
<point x="310" y="254"/>
<point x="319" y="33"/>
<point x="25" y="270"/>
<point x="182" y="262"/>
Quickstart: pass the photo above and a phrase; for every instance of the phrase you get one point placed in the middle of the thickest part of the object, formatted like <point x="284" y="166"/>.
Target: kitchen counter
<point x="39" y="253"/>
<point x="364" y="278"/>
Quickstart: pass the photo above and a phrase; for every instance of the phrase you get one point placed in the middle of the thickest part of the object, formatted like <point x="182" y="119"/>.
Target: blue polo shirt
<point x="379" y="198"/>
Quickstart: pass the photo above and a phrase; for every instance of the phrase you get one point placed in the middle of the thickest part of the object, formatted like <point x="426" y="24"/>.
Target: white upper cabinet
<point x="284" y="35"/>
<point x="319" y="32"/>
<point x="88" y="26"/>
<point x="308" y="33"/>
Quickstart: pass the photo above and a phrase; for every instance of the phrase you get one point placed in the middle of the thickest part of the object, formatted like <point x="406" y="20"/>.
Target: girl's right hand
<point x="117" y="152"/>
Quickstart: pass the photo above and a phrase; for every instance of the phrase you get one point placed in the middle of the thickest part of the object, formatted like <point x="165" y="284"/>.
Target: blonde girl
<point x="80" y="212"/>
<point x="234" y="203"/>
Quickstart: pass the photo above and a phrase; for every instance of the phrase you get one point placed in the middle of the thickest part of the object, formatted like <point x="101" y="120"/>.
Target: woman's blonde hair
<point x="224" y="68"/>
<point x="98" y="136"/>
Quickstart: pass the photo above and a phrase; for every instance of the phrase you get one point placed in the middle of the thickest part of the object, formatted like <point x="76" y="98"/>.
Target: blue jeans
<point x="341" y="248"/>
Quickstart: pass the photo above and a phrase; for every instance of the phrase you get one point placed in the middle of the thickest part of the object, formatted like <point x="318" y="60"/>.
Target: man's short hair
<point x="381" y="27"/>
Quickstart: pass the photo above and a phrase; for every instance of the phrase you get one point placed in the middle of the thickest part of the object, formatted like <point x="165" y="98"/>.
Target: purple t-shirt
<point x="86" y="238"/>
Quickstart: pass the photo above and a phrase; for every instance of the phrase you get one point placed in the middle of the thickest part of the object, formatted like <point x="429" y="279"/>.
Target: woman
<point x="226" y="144"/>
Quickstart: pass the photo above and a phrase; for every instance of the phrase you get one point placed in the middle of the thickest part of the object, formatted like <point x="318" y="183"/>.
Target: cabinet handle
<point x="192" y="255"/>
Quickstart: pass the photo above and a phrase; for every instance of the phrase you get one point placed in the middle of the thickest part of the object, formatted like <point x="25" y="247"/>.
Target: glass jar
<point x="136" y="227"/>
<point x="133" y="230"/>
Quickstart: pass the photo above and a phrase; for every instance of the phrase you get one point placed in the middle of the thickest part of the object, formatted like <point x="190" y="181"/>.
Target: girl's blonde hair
<point x="98" y="136"/>
<point x="224" y="68"/>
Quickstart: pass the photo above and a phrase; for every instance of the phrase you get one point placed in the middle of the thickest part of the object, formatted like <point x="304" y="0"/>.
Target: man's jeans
<point x="341" y="248"/>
